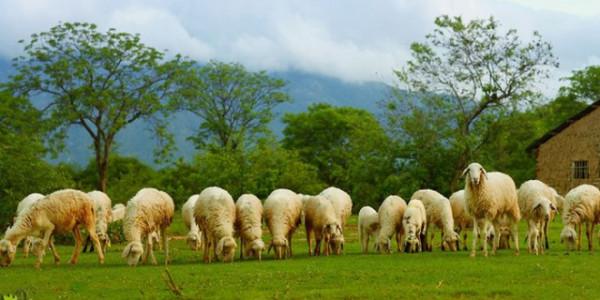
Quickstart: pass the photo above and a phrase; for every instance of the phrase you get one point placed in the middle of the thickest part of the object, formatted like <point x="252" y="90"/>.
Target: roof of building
<point x="564" y="125"/>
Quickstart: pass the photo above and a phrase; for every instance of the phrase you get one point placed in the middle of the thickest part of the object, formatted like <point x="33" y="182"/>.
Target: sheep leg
<point x="476" y="238"/>
<point x="532" y="238"/>
<point x="541" y="237"/>
<point x="579" y="233"/>
<point x="364" y="240"/>
<point x="78" y="244"/>
<point x="399" y="241"/>
<point x="53" y="249"/>
<point x="308" y="234"/>
<point x="165" y="243"/>
<point x="151" y="251"/>
<point x="589" y="229"/>
<point x="289" y="248"/>
<point x="545" y="230"/>
<point x="45" y="241"/>
<point x="241" y="247"/>
<point x="514" y="231"/>
<point x="27" y="245"/>
<point x="317" y="251"/>
<point x="465" y="241"/>
<point x="206" y="257"/>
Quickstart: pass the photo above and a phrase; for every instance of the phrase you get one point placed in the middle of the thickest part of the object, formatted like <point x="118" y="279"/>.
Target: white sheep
<point x="390" y="214"/>
<point x="249" y="211"/>
<point x="368" y="225"/>
<point x="490" y="197"/>
<point x="321" y="219"/>
<point x="21" y="207"/>
<point x="439" y="214"/>
<point x="414" y="223"/>
<point x="342" y="203"/>
<point x="194" y="236"/>
<point x="462" y="220"/>
<point x="535" y="204"/>
<point x="148" y="211"/>
<point x="118" y="212"/>
<point x="215" y="215"/>
<point x="61" y="211"/>
<point x="282" y="213"/>
<point x="103" y="212"/>
<point x="582" y="205"/>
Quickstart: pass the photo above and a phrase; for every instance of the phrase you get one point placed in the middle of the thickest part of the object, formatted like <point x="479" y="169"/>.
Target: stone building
<point x="569" y="155"/>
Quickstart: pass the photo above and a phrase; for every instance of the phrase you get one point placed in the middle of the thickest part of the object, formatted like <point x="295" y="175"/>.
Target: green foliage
<point x="99" y="81"/>
<point x="462" y="81"/>
<point x="347" y="145"/>
<point x="584" y="84"/>
<point x="22" y="168"/>
<point x="235" y="105"/>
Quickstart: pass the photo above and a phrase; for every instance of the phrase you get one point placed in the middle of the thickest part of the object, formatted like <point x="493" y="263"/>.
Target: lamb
<point x="148" y="211"/>
<point x="414" y="223"/>
<point x="368" y="225"/>
<point x="194" y="236"/>
<point x="59" y="212"/>
<point x="390" y="214"/>
<point x="103" y="211"/>
<point x="582" y="205"/>
<point x="21" y="207"/>
<point x="321" y="219"/>
<point x="118" y="212"/>
<point x="439" y="213"/>
<point x="282" y="212"/>
<point x="535" y="204"/>
<point x="248" y="224"/>
<point x="490" y="197"/>
<point x="214" y="213"/>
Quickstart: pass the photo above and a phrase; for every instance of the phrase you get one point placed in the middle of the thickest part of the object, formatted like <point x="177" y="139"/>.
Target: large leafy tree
<point x="461" y="81"/>
<point x="234" y="104"/>
<point x="100" y="81"/>
<point x="347" y="145"/>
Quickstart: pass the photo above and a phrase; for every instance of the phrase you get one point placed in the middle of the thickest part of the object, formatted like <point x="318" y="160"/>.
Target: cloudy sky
<point x="350" y="39"/>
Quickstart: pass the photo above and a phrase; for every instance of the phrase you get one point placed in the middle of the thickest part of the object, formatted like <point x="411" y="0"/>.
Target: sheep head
<point x="474" y="174"/>
<point x="450" y="241"/>
<point x="255" y="248"/>
<point x="194" y="240"/>
<point x="133" y="252"/>
<point x="225" y="250"/>
<point x="411" y="244"/>
<point x="384" y="244"/>
<point x="543" y="208"/>
<point x="7" y="253"/>
<point x="280" y="246"/>
<point x="333" y="234"/>
<point x="569" y="236"/>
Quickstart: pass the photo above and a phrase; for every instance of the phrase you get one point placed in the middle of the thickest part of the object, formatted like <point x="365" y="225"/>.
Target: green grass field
<point x="435" y="275"/>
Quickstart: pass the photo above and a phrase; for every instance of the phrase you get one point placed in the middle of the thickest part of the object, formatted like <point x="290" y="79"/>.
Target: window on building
<point x="581" y="169"/>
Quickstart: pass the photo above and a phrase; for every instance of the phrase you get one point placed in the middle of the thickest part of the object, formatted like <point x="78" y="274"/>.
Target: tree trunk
<point x="103" y="174"/>
<point x="102" y="154"/>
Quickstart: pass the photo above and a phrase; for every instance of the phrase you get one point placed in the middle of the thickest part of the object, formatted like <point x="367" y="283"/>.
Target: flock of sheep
<point x="490" y="205"/>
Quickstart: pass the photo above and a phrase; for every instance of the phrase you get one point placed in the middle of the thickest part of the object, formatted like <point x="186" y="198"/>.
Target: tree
<point x="584" y="84"/>
<point x="235" y="105"/>
<point x="347" y="145"/>
<point x="21" y="156"/>
<point x="462" y="80"/>
<point x="99" y="81"/>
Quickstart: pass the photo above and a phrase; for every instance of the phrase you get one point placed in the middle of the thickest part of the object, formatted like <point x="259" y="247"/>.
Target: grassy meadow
<point x="435" y="275"/>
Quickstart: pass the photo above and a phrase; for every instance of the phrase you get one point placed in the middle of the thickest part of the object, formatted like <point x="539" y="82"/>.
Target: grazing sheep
<point x="368" y="225"/>
<point x="282" y="212"/>
<point x="535" y="204"/>
<point x="248" y="224"/>
<point x="582" y="205"/>
<point x="390" y="214"/>
<point x="414" y="223"/>
<point x="490" y="197"/>
<point x="558" y="202"/>
<point x="342" y="203"/>
<point x="148" y="211"/>
<point x="103" y="211"/>
<point x="118" y="212"/>
<point x="462" y="220"/>
<point x="439" y="213"/>
<point x="60" y="212"/>
<point x="215" y="215"/>
<point x="21" y="207"/>
<point x="321" y="219"/>
<point x="194" y="236"/>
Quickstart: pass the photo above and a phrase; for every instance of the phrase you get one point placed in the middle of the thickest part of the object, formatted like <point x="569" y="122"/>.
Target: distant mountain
<point x="304" y="88"/>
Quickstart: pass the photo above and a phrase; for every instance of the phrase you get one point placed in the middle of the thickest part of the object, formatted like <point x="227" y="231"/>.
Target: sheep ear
<point x="465" y="172"/>
<point x="339" y="228"/>
<point x="552" y="207"/>
<point x="484" y="172"/>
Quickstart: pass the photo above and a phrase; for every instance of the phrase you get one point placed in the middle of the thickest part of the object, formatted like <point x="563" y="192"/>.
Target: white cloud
<point x="353" y="40"/>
